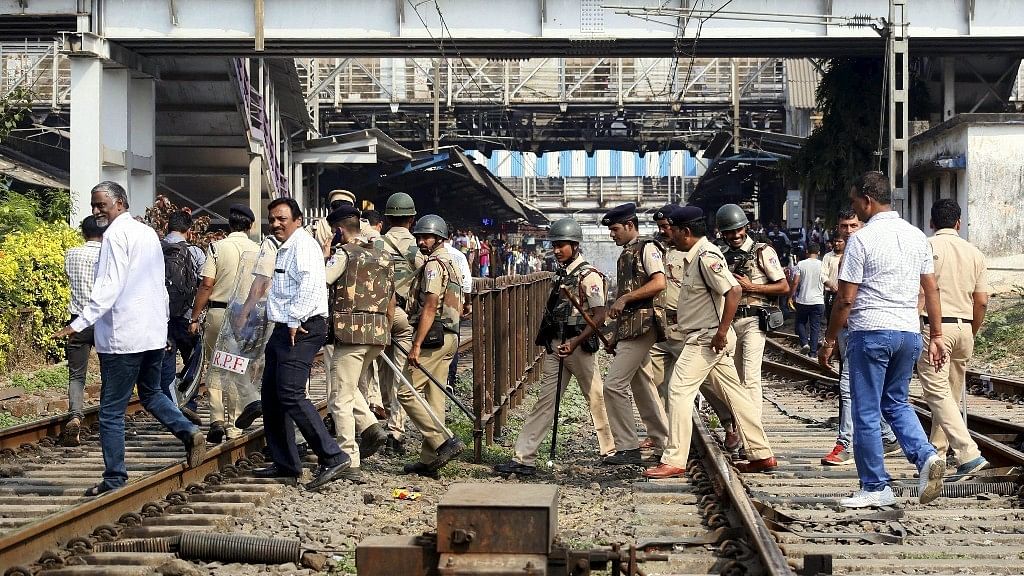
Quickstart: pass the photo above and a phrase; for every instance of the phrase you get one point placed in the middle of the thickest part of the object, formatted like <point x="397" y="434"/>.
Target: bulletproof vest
<point x="451" y="300"/>
<point x="564" y="312"/>
<point x="404" y="264"/>
<point x="639" y="317"/>
<point x="361" y="296"/>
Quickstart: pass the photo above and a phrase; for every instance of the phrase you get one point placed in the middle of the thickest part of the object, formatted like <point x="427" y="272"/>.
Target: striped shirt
<point x="298" y="290"/>
<point x="80" y="266"/>
<point x="886" y="258"/>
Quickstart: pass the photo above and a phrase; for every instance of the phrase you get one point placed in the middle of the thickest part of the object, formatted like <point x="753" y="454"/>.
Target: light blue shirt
<point x="128" y="304"/>
<point x="886" y="258"/>
<point x="298" y="290"/>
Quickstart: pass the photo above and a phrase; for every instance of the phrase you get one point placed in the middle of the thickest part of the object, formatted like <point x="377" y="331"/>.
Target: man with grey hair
<point x="129" y="308"/>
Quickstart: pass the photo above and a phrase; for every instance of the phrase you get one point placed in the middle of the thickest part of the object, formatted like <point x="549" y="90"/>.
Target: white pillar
<point x="86" y="145"/>
<point x="140" y="155"/>
<point x="948" y="87"/>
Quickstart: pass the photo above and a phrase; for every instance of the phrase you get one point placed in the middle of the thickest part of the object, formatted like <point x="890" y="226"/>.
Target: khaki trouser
<point x="697" y="362"/>
<point x="944" y="388"/>
<point x="749" y="354"/>
<point x="346" y="403"/>
<point x="630" y="371"/>
<point x="229" y="394"/>
<point x="369" y="383"/>
<point x="583" y="366"/>
<point x="663" y="359"/>
<point x="402" y="333"/>
<point x="435" y="361"/>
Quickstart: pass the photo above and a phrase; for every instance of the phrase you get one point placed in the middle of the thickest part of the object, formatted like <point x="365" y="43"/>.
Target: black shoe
<point x="513" y="467"/>
<point x="332" y="430"/>
<point x="624" y="457"/>
<point x="395" y="446"/>
<point x="372" y="440"/>
<point x="249" y="414"/>
<point x="191" y="416"/>
<point x="195" y="449"/>
<point x="421" y="469"/>
<point x="329" y="472"/>
<point x="354" y="475"/>
<point x="273" y="471"/>
<point x="302" y="448"/>
<point x="216" y="433"/>
<point x="449" y="449"/>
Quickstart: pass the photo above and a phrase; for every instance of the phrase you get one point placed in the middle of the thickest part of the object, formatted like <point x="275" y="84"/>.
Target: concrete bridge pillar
<point x="112" y="132"/>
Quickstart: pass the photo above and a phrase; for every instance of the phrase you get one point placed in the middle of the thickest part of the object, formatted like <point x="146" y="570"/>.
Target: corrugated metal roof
<point x="801" y="82"/>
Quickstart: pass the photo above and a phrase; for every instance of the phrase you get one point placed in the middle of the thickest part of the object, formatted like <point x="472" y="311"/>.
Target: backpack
<point x="180" y="278"/>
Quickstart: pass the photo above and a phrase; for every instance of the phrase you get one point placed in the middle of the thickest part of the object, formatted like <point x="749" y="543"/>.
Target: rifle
<point x="608" y="346"/>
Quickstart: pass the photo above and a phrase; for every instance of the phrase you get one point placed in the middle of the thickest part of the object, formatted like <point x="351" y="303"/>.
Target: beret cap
<point x="619" y="214"/>
<point x="341" y="213"/>
<point x="685" y="214"/>
<point x="665" y="212"/>
<point x="243" y="210"/>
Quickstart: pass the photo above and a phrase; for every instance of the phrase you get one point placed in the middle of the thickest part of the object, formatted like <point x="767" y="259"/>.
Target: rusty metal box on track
<point x="394" y="556"/>
<point x="497" y="519"/>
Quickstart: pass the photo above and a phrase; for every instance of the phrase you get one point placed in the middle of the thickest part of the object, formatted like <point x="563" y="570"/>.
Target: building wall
<point x="947" y="184"/>
<point x="995" y="174"/>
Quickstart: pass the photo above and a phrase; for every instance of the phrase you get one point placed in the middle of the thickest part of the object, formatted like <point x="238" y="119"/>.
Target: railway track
<point x="44" y="518"/>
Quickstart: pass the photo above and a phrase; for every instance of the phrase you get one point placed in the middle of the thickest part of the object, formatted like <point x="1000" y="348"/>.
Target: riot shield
<point x="238" y="355"/>
<point x="186" y="382"/>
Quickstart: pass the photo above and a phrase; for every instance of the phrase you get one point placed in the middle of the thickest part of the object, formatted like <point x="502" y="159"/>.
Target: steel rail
<point x="36" y="430"/>
<point x="26" y="545"/>
<point x="773" y="560"/>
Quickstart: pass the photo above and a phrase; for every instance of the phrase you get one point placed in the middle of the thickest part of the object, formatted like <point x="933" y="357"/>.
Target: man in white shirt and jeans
<point x="886" y="265"/>
<point x="808" y="293"/>
<point x="128" y="307"/>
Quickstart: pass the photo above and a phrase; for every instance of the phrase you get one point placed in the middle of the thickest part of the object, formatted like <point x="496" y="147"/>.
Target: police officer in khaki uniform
<point x="639" y="323"/>
<point x="664" y="354"/>
<point x="434" y="306"/>
<point x="707" y="302"/>
<point x="571" y="344"/>
<point x="407" y="260"/>
<point x="757" y="269"/>
<point x="362" y="280"/>
<point x="219" y="272"/>
<point x="961" y="275"/>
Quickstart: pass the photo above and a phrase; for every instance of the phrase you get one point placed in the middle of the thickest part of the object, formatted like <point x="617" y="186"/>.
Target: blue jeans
<point x="178" y="340"/>
<point x="120" y="374"/>
<point x="808" y="316"/>
<point x="845" y="414"/>
<point x="881" y="364"/>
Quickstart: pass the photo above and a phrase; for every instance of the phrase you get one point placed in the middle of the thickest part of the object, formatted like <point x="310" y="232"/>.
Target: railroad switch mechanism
<point x="492" y="530"/>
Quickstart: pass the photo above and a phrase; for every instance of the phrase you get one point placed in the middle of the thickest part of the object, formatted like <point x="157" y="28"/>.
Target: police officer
<point x="435" y="302"/>
<point x="961" y="275"/>
<point x="664" y="354"/>
<point x="571" y="344"/>
<point x="707" y="302"/>
<point x="639" y="323"/>
<point x="236" y="403"/>
<point x="362" y="280"/>
<point x="400" y="244"/>
<point x="757" y="270"/>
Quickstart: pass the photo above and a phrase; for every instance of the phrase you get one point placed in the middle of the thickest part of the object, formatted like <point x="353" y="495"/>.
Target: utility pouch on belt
<point x="770" y="318"/>
<point x="435" y="336"/>
<point x="639" y="321"/>
<point x="591" y="345"/>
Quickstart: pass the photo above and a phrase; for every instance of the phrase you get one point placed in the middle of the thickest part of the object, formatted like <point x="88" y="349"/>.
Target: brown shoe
<point x="763" y="465"/>
<point x="664" y="471"/>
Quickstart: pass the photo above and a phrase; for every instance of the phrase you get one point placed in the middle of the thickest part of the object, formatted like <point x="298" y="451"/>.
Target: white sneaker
<point x="865" y="499"/>
<point x="929" y="482"/>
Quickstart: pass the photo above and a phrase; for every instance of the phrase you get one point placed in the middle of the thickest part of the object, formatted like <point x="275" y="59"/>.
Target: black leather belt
<point x="746" y="311"/>
<point x="949" y="320"/>
<point x="212" y="304"/>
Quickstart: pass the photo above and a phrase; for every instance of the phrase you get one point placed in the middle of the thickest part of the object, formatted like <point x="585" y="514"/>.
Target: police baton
<point x="401" y="377"/>
<point x="608" y="346"/>
<point x="444" y="388"/>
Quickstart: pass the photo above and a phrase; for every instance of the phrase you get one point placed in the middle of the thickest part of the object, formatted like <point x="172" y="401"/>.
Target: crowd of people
<point x="382" y="296"/>
<point x="498" y="254"/>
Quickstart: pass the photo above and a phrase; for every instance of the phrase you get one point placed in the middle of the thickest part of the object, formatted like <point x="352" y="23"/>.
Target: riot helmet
<point x="730" y="217"/>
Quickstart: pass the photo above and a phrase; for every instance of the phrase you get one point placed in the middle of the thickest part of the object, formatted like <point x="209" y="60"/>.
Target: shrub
<point x="32" y="278"/>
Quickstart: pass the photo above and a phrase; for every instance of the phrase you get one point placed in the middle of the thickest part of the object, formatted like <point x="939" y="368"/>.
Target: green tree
<point x="843" y="147"/>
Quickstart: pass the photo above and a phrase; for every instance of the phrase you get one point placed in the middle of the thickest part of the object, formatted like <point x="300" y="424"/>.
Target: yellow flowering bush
<point x="32" y="278"/>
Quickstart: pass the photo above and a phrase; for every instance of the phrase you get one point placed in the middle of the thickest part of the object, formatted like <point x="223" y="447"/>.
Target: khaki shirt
<point x="434" y="279"/>
<point x="830" y="269"/>
<point x="222" y="259"/>
<point x="336" y="266"/>
<point x="702" y="296"/>
<point x="675" y="264"/>
<point x="959" y="271"/>
<point x="763" y="269"/>
<point x="321" y="231"/>
<point x="591" y="287"/>
<point x="405" y="270"/>
<point x="367" y="231"/>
